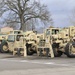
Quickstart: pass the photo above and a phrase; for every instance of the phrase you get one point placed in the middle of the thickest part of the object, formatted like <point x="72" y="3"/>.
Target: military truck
<point x="64" y="43"/>
<point x="4" y="46"/>
<point x="15" y="44"/>
<point x="45" y="45"/>
<point x="31" y="42"/>
<point x="61" y="40"/>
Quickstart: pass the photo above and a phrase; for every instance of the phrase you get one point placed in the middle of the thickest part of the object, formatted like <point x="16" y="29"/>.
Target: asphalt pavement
<point x="34" y="65"/>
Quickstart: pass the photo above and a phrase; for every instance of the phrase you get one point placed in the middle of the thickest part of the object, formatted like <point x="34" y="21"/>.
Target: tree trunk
<point x="22" y="26"/>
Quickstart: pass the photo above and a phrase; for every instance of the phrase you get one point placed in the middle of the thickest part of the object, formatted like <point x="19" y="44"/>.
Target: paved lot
<point x="33" y="65"/>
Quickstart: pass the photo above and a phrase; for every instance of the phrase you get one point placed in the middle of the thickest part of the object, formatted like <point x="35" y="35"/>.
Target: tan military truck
<point x="64" y="43"/>
<point x="45" y="45"/>
<point x="60" y="40"/>
<point x="31" y="42"/>
<point x="17" y="44"/>
<point x="7" y="45"/>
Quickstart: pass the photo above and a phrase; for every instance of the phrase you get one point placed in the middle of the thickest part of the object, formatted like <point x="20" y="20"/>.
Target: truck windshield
<point x="55" y="31"/>
<point x="47" y="32"/>
<point x="15" y="32"/>
<point x="11" y="38"/>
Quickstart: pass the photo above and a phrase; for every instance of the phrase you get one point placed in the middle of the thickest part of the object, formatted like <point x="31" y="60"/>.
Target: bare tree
<point x="25" y="13"/>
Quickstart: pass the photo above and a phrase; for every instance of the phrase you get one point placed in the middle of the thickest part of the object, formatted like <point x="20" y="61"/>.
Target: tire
<point x="29" y="50"/>
<point x="18" y="52"/>
<point x="68" y="51"/>
<point x="57" y="53"/>
<point x="4" y="48"/>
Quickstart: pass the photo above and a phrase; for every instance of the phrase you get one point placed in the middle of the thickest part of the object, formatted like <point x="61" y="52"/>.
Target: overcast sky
<point x="60" y="10"/>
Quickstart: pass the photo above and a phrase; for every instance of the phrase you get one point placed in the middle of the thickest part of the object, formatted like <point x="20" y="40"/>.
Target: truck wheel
<point x="19" y="52"/>
<point x="4" y="48"/>
<point x="29" y="51"/>
<point x="57" y="53"/>
<point x="68" y="50"/>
